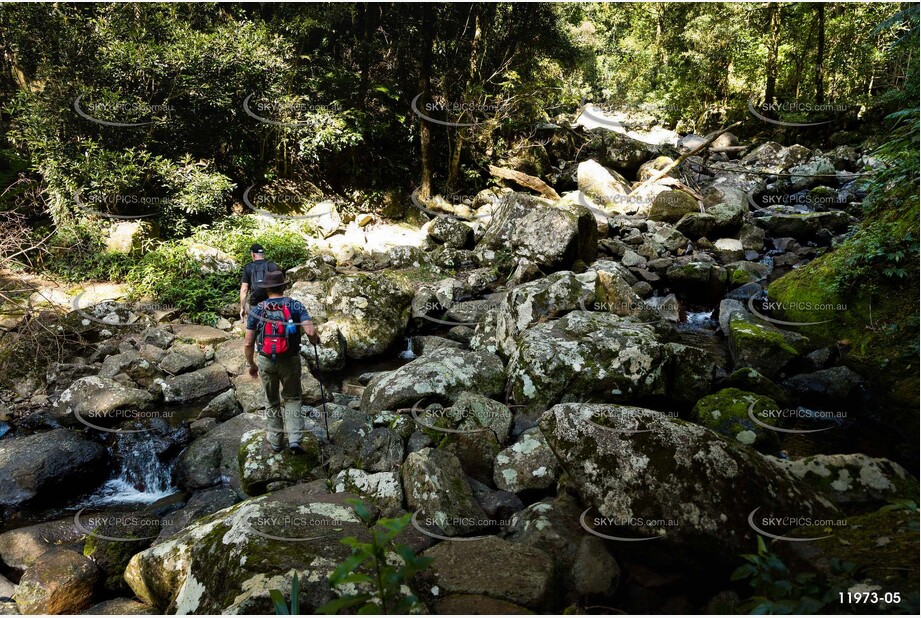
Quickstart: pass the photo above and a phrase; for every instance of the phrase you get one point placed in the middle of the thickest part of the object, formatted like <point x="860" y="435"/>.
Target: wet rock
<point x="527" y="464"/>
<point x="94" y="398"/>
<point x="633" y="462"/>
<point x="61" y="582"/>
<point x="46" y="468"/>
<point x="853" y="478"/>
<point x="433" y="482"/>
<point x="443" y="377"/>
<point x="213" y="458"/>
<point x="727" y="412"/>
<point x="205" y="382"/>
<point x="494" y="567"/>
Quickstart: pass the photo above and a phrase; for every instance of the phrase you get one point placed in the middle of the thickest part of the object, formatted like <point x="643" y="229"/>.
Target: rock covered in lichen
<point x="383" y="489"/>
<point x="689" y="485"/>
<point x="727" y="412"/>
<point x="527" y="464"/>
<point x="261" y="466"/>
<point x="853" y="478"/>
<point x="435" y="485"/>
<point x="762" y="347"/>
<point x="442" y="376"/>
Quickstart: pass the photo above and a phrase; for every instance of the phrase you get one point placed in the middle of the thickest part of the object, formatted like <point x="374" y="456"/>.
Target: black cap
<point x="256" y="248"/>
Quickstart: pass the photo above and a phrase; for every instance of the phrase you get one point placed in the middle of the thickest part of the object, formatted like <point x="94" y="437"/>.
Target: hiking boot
<point x="277" y="449"/>
<point x="296" y="449"/>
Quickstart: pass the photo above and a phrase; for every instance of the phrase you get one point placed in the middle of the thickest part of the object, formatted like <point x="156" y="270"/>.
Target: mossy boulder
<point x="748" y="379"/>
<point x="727" y="412"/>
<point x="641" y="465"/>
<point x="260" y="466"/>
<point x="670" y="206"/>
<point x="762" y="347"/>
<point x="435" y="484"/>
<point x="227" y="562"/>
<point x="118" y="537"/>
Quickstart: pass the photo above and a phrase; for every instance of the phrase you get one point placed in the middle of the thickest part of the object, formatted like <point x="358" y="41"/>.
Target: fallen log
<point x="525" y="180"/>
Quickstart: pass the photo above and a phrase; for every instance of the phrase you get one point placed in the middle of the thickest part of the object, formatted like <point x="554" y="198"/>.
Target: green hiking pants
<point x="282" y="377"/>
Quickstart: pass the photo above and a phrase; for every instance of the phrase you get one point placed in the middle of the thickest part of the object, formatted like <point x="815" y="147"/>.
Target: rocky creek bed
<point x="626" y="382"/>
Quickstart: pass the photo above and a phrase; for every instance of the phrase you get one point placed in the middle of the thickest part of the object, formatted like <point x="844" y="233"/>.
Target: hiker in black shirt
<point x="253" y="276"/>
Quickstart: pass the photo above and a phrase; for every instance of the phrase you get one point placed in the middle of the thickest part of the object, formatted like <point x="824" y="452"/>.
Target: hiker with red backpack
<point x="274" y="330"/>
<point x="251" y="284"/>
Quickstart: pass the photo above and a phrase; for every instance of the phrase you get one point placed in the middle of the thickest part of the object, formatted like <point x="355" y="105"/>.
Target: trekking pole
<point x="316" y="356"/>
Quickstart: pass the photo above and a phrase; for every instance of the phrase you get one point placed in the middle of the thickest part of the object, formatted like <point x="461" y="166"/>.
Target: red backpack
<point x="272" y="340"/>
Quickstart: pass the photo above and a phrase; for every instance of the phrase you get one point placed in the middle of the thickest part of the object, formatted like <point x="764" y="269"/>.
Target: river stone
<point x="383" y="489"/>
<point x="495" y="568"/>
<point x="511" y="207"/>
<point x="529" y="303"/>
<point x="726" y="412"/>
<point x="853" y="478"/>
<point x="803" y="226"/>
<point x="630" y="462"/>
<point x="227" y="562"/>
<point x="729" y="250"/>
<point x="120" y="607"/>
<point x="21" y="547"/>
<point x="551" y="525"/>
<point x="762" y="347"/>
<point x="213" y="458"/>
<point x="670" y="206"/>
<point x="587" y="354"/>
<point x="604" y="187"/>
<point x="371" y="311"/>
<point x="132" y="364"/>
<point x="223" y="407"/>
<point x="434" y="484"/>
<point x="527" y="464"/>
<point x="183" y="357"/>
<point x="95" y="397"/>
<point x="691" y="373"/>
<point x="833" y="386"/>
<point x="444" y="377"/>
<point x="129" y="534"/>
<point x="477" y="411"/>
<point x="381" y="451"/>
<point x="451" y="232"/>
<point x="595" y="572"/>
<point x="251" y="394"/>
<point x="200" y="334"/>
<point x="260" y="466"/>
<point x="556" y="237"/>
<point x="702" y="281"/>
<point x="670" y="238"/>
<point x="49" y="467"/>
<point x="231" y="357"/>
<point x="205" y="382"/>
<point x="60" y="582"/>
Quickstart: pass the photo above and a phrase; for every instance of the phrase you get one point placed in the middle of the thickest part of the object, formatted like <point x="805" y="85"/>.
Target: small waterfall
<point x="142" y="477"/>
<point x="408" y="353"/>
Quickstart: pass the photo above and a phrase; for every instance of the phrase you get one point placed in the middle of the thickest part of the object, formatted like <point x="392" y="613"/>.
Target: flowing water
<point x="142" y="479"/>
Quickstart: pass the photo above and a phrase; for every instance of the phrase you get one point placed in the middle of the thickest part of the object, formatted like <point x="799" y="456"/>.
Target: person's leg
<point x="274" y="425"/>
<point x="290" y="369"/>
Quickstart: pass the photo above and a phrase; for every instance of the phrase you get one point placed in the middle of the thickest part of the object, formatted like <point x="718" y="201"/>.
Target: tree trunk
<point x="425" y="74"/>
<point x="820" y="57"/>
<point x="458" y="146"/>
<point x="773" y="45"/>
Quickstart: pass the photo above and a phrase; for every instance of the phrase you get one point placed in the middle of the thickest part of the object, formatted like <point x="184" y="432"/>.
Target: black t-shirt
<point x="252" y="275"/>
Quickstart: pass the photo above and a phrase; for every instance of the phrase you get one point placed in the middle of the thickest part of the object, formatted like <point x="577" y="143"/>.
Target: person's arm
<point x="307" y="326"/>
<point x="249" y="348"/>
<point x="244" y="290"/>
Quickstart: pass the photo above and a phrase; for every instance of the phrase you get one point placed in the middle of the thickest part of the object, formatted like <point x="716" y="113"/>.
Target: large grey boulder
<point x="47" y="468"/>
<point x="206" y="382"/>
<point x="635" y="464"/>
<point x="435" y="485"/>
<point x="444" y="377"/>
<point x="96" y="399"/>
